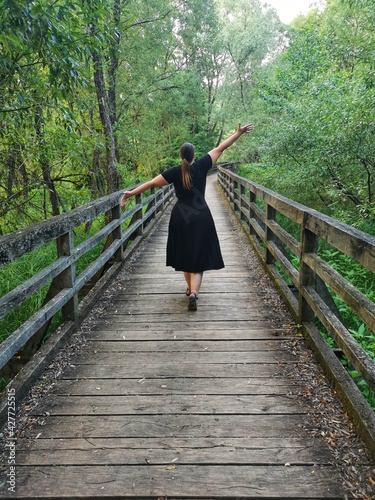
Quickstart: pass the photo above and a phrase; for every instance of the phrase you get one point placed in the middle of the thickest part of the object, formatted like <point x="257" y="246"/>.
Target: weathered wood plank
<point x="173" y="444"/>
<point x="357" y="301"/>
<point x="185" y="327"/>
<point x="158" y="481"/>
<point x="173" y="369"/>
<point x="205" y="314"/>
<point x="84" y="387"/>
<point x="166" y="451"/>
<point x="171" y="404"/>
<point x="176" y="345"/>
<point x="222" y="298"/>
<point x="176" y="426"/>
<point x="98" y="358"/>
<point x="255" y="332"/>
<point x="178" y="306"/>
<point x="166" y="303"/>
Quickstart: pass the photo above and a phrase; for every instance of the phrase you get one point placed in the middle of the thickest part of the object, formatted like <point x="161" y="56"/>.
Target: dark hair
<point x="187" y="156"/>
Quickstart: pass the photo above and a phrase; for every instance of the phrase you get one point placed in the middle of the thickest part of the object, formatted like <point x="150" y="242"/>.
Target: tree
<point x="39" y="69"/>
<point x="316" y="104"/>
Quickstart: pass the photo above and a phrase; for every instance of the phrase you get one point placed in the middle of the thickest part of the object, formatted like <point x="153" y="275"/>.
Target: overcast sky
<point x="289" y="9"/>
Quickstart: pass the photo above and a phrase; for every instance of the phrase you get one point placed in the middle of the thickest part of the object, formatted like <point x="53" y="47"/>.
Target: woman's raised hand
<point x="245" y="129"/>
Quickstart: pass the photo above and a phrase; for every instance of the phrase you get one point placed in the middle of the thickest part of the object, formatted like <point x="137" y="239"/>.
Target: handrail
<point x="66" y="285"/>
<point x="309" y="297"/>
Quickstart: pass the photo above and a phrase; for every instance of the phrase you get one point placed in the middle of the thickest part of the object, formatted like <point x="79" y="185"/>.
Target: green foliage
<point x="315" y="107"/>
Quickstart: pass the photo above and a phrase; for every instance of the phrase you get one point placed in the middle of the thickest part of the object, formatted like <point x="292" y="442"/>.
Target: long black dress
<point x="193" y="245"/>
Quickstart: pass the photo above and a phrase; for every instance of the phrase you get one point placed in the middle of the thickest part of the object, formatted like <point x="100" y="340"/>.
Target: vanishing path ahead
<point x="166" y="402"/>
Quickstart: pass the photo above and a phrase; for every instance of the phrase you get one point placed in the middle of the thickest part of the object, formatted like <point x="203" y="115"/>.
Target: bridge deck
<point x="166" y="402"/>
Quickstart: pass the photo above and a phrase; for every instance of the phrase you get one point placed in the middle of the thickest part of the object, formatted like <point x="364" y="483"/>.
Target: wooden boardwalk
<point x="169" y="403"/>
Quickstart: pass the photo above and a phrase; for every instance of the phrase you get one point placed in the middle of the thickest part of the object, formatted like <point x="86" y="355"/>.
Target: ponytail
<point x="185" y="171"/>
<point x="187" y="155"/>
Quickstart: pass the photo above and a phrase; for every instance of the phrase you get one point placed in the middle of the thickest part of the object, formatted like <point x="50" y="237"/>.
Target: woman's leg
<point x="195" y="282"/>
<point x="188" y="281"/>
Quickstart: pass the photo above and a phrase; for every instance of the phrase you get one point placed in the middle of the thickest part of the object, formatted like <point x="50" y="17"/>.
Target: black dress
<point x="193" y="245"/>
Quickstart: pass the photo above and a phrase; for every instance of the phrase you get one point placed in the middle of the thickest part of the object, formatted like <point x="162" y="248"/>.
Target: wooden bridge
<point x="161" y="402"/>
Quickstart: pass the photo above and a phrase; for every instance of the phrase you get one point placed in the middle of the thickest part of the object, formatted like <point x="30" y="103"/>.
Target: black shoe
<point x="192" y="305"/>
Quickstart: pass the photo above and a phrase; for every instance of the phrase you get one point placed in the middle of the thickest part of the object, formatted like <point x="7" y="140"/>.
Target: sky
<point x="289" y="9"/>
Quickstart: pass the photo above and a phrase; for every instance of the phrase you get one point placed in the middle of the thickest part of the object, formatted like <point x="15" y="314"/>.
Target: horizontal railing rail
<point x="304" y="279"/>
<point x="117" y="231"/>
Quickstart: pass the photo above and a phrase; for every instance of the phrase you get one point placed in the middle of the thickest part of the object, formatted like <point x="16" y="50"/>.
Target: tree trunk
<point x="105" y="118"/>
<point x="44" y="162"/>
<point x="112" y="70"/>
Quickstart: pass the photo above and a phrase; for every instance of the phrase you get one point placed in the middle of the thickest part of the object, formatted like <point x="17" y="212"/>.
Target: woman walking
<point x="193" y="246"/>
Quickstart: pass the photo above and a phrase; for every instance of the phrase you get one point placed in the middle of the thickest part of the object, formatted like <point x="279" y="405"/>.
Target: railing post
<point x="235" y="195"/>
<point x="153" y="203"/>
<point x="117" y="233"/>
<point x="139" y="214"/>
<point x="270" y="215"/>
<point x="309" y="244"/>
<point x="228" y="185"/>
<point x="242" y="194"/>
<point x="253" y="200"/>
<point x="66" y="279"/>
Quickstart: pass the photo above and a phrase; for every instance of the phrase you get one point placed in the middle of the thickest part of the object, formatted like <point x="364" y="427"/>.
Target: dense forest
<point x="99" y="94"/>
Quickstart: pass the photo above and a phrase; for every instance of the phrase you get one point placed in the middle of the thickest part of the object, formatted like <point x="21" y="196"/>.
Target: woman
<point x="193" y="246"/>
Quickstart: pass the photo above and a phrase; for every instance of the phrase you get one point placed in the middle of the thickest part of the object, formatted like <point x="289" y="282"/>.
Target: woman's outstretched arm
<point x="216" y="152"/>
<point x="157" y="181"/>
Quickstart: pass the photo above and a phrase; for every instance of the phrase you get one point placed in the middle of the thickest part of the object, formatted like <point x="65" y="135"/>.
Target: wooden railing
<point x="306" y="286"/>
<point x="118" y="230"/>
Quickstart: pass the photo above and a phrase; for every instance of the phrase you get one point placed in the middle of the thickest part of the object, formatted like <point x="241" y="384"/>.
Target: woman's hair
<point x="187" y="156"/>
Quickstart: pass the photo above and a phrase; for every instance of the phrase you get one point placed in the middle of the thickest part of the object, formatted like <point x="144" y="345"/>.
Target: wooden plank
<point x="222" y="298"/>
<point x="234" y="451"/>
<point x="178" y="306"/>
<point x="187" y="346"/>
<point x="19" y="294"/>
<point x="161" y="358"/>
<point x="274" y="385"/>
<point x="170" y="278"/>
<point x="205" y="314"/>
<point x="165" y="325"/>
<point x="361" y="361"/>
<point x="356" y="244"/>
<point x="171" y="426"/>
<point x="172" y="369"/>
<point x="151" y="481"/>
<point x="174" y="443"/>
<point x="257" y="332"/>
<point x="357" y="301"/>
<point x="146" y="302"/>
<point x="171" y="404"/>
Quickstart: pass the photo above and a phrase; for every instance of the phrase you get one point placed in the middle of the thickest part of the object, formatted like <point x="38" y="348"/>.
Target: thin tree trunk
<point x="44" y="162"/>
<point x="112" y="70"/>
<point x="105" y="118"/>
<point x="104" y="108"/>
